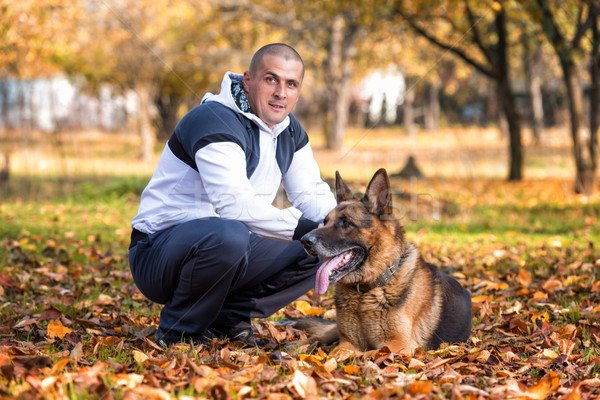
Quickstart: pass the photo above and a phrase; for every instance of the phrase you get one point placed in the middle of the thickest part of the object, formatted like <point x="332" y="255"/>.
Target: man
<point x="207" y="241"/>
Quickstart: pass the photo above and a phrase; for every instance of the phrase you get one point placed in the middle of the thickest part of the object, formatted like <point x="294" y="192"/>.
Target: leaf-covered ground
<point x="73" y="325"/>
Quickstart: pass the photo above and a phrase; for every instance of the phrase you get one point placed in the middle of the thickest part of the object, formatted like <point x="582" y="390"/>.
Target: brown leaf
<point x="50" y="314"/>
<point x="524" y="277"/>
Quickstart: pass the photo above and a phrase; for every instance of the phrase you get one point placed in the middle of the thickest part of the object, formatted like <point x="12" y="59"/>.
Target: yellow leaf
<point x="549" y="353"/>
<point x="57" y="330"/>
<point x="139" y="356"/>
<point x="543" y="317"/>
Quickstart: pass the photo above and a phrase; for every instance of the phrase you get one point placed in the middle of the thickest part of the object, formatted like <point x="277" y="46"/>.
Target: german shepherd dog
<point x="385" y="293"/>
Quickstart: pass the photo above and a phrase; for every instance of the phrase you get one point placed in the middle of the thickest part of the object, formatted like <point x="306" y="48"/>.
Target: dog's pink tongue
<point x="322" y="282"/>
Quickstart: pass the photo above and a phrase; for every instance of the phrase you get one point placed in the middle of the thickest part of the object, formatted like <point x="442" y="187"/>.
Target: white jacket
<point x="219" y="180"/>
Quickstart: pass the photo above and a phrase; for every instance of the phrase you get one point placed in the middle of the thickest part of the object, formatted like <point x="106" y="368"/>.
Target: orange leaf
<point x="420" y="387"/>
<point x="480" y="299"/>
<point x="524" y="277"/>
<point x="58" y="367"/>
<point x="4" y="359"/>
<point x="57" y="330"/>
<point x="545" y="387"/>
<point x="305" y="308"/>
<point x="352" y="370"/>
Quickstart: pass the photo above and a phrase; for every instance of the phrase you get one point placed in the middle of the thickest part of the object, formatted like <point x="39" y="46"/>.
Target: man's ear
<point x="342" y="193"/>
<point x="245" y="81"/>
<point x="378" y="197"/>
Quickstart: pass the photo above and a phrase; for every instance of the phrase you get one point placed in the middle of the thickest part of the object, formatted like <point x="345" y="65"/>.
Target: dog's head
<point x="359" y="238"/>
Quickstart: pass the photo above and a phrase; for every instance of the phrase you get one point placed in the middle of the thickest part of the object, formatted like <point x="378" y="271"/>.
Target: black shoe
<point x="166" y="337"/>
<point x="244" y="335"/>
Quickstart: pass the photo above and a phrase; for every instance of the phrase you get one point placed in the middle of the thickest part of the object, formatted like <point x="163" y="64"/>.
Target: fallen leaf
<point x="139" y="356"/>
<point x="420" y="387"/>
<point x="57" y="330"/>
<point x="305" y="308"/>
<point x="352" y="369"/>
<point x="304" y="385"/>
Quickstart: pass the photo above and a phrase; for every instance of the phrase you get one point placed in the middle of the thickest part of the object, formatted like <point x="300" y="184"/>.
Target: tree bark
<point x="595" y="88"/>
<point x="535" y="94"/>
<point x="581" y="135"/>
<point x="501" y="71"/>
<point x="167" y="106"/>
<point x="409" y="113"/>
<point x="432" y="111"/>
<point x="147" y="138"/>
<point x="333" y="140"/>
<point x="342" y="51"/>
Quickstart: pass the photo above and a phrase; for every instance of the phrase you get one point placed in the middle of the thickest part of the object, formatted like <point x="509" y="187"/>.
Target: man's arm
<point x="305" y="188"/>
<point x="222" y="168"/>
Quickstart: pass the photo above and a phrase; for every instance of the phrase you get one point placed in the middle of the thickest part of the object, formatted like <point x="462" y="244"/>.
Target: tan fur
<point x="405" y="313"/>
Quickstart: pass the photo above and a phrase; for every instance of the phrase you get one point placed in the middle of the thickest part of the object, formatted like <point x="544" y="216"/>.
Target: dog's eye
<point x="344" y="223"/>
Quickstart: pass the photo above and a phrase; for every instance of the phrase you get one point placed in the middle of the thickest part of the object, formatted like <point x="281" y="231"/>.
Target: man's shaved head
<point x="275" y="49"/>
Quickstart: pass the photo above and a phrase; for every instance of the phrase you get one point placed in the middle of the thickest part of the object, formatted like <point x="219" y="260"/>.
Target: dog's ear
<point x="378" y="198"/>
<point x="342" y="193"/>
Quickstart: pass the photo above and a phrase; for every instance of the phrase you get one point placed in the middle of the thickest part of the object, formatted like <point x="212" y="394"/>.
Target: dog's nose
<point x="308" y="240"/>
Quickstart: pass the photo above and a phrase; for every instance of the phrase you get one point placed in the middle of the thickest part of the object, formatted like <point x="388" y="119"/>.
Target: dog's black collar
<point x="387" y="275"/>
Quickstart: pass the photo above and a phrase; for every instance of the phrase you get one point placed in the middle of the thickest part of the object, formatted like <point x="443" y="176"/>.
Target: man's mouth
<point x="336" y="267"/>
<point x="277" y="106"/>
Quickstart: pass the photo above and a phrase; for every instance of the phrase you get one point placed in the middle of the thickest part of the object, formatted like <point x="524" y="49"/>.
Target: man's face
<point x="274" y="89"/>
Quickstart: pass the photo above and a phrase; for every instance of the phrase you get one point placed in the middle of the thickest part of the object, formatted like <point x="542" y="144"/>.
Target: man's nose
<point x="280" y="91"/>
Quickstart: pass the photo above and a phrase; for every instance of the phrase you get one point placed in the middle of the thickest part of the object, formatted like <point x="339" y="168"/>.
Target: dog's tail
<point x="323" y="330"/>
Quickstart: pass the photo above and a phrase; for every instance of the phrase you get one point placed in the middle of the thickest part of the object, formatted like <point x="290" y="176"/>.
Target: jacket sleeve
<point x="305" y="188"/>
<point x="222" y="169"/>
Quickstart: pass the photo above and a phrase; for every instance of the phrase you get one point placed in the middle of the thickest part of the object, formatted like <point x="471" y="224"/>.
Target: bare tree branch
<point x="446" y="46"/>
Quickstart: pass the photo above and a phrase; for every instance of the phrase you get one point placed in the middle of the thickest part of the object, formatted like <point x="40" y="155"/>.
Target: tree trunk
<point x="532" y="62"/>
<point x="595" y="89"/>
<point x="144" y="125"/>
<point x="507" y="100"/>
<point x="432" y="111"/>
<point x="582" y="138"/>
<point x="409" y="112"/>
<point x="514" y="130"/>
<point x="333" y="138"/>
<point x="167" y="106"/>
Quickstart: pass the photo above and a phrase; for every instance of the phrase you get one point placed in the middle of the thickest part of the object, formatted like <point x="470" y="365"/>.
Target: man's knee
<point x="227" y="241"/>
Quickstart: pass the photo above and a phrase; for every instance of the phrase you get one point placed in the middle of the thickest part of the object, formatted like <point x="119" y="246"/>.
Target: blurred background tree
<point x="460" y="61"/>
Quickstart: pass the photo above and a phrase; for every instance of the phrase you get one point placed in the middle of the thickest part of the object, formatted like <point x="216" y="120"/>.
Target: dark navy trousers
<point x="214" y="271"/>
